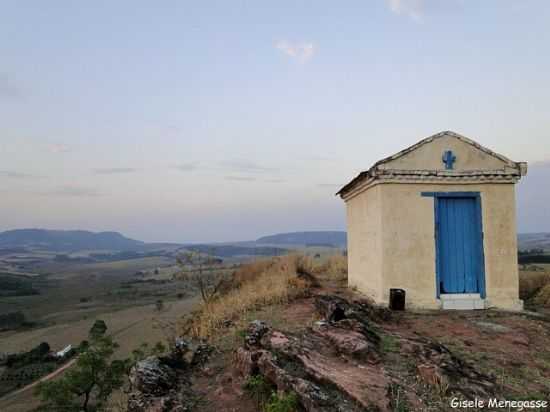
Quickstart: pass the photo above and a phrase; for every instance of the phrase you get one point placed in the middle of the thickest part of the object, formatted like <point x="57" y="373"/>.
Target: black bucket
<point x="397" y="299"/>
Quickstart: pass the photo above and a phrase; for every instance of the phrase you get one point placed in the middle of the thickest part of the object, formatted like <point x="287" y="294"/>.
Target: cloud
<point x="299" y="51"/>
<point x="59" y="148"/>
<point x="240" y="178"/>
<point x="8" y="88"/>
<point x="186" y="167"/>
<point x="114" y="170"/>
<point x="245" y="166"/>
<point x="15" y="175"/>
<point x="74" y="191"/>
<point x="275" y="181"/>
<point x="411" y="8"/>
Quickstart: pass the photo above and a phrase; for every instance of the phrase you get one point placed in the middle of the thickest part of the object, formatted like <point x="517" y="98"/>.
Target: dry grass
<point x="532" y="283"/>
<point x="335" y="267"/>
<point x="251" y="271"/>
<point x="543" y="296"/>
<point x="273" y="281"/>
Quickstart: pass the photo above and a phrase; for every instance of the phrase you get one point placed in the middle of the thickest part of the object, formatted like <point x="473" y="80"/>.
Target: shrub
<point x="258" y="389"/>
<point x="287" y="402"/>
<point x="98" y="329"/>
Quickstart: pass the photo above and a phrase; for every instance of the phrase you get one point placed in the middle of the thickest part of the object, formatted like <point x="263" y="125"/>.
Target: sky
<point x="220" y="121"/>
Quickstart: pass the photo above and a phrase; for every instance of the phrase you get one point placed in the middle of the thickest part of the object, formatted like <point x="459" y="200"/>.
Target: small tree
<point x="91" y="380"/>
<point x="193" y="266"/>
<point x="98" y="329"/>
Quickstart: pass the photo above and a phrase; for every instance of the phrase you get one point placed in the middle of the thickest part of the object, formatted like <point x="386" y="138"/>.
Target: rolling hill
<point x="333" y="238"/>
<point x="67" y="240"/>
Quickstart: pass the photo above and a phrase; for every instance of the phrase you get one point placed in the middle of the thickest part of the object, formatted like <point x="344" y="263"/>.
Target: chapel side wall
<point x="500" y="246"/>
<point x="408" y="246"/>
<point x="364" y="243"/>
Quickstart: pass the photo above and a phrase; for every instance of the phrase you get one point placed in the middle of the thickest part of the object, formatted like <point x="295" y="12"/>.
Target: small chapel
<point x="438" y="221"/>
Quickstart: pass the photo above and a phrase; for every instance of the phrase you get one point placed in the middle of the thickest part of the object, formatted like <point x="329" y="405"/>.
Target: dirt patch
<point x="511" y="347"/>
<point x="219" y="389"/>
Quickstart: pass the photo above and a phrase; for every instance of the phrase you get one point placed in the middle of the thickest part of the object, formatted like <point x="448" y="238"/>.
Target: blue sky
<point x="200" y="121"/>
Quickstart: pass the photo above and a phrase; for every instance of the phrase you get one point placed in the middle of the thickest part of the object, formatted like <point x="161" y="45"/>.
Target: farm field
<point x="70" y="292"/>
<point x="139" y="298"/>
<point x="130" y="327"/>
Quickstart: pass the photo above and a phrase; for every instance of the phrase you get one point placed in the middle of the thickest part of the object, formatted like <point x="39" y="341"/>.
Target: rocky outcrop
<point x="151" y="376"/>
<point x="347" y="341"/>
<point x="334" y="308"/>
<point x="162" y="384"/>
<point x="318" y="365"/>
<point x="157" y="387"/>
<point x="340" y="363"/>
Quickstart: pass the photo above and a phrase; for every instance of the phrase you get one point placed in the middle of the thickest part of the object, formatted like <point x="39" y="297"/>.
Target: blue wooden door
<point x="459" y="245"/>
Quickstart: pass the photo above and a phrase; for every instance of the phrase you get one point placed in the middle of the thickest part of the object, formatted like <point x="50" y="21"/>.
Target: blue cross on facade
<point x="448" y="158"/>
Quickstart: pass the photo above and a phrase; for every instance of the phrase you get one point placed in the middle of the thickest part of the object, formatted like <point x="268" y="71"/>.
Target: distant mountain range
<point x="75" y="240"/>
<point x="67" y="240"/>
<point x="318" y="238"/>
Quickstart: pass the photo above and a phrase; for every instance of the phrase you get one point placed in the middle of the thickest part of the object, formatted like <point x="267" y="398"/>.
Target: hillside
<point x="67" y="240"/>
<point x="289" y="335"/>
<point x="333" y="238"/>
<point x="528" y="241"/>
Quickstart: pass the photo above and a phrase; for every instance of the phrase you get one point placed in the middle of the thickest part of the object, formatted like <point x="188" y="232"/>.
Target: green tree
<point x="98" y="329"/>
<point x="87" y="385"/>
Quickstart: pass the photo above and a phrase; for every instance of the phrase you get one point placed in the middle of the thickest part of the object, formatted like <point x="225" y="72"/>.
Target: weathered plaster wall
<point x="500" y="246"/>
<point x="365" y="243"/>
<point x="391" y="242"/>
<point x="428" y="157"/>
<point x="408" y="260"/>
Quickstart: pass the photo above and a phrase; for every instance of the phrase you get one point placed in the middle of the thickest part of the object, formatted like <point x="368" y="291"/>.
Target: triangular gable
<point x="425" y="160"/>
<point x="427" y="155"/>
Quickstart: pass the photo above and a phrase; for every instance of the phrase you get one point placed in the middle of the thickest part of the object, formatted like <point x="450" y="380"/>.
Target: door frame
<point x="479" y="224"/>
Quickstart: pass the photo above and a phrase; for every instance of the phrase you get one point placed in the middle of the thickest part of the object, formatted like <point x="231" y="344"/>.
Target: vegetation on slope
<point x="266" y="282"/>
